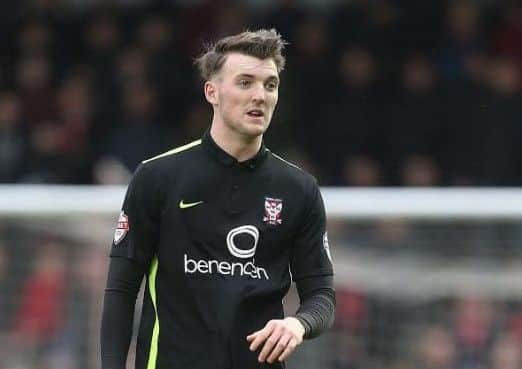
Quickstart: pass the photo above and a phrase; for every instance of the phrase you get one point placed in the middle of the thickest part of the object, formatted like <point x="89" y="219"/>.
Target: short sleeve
<point x="310" y="252"/>
<point x="137" y="230"/>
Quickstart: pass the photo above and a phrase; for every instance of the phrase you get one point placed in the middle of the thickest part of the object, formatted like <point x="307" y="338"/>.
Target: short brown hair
<point x="261" y="44"/>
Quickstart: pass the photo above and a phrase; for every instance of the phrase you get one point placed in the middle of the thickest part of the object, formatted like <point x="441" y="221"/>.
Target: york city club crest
<point x="273" y="208"/>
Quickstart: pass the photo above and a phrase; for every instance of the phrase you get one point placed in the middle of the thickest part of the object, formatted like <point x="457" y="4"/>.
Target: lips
<point x="257" y="113"/>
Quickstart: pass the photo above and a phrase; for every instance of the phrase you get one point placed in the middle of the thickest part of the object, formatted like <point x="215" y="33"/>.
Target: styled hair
<point x="262" y="44"/>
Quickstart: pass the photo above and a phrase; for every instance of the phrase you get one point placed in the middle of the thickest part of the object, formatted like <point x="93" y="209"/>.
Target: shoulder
<point x="169" y="163"/>
<point x="174" y="155"/>
<point x="157" y="170"/>
<point x="294" y="175"/>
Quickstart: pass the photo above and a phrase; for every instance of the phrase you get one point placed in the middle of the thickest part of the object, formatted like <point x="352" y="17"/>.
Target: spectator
<point x="61" y="149"/>
<point x="34" y="40"/>
<point x="420" y="171"/>
<point x="39" y="319"/>
<point x="140" y="136"/>
<point x="76" y="146"/>
<point x="34" y="86"/>
<point x="102" y="40"/>
<point x="4" y="291"/>
<point x="12" y="140"/>
<point x="501" y="124"/>
<point x="361" y="171"/>
<point x="311" y="49"/>
<point x="350" y="120"/>
<point x="46" y="164"/>
<point x="418" y="127"/>
<point x="351" y="325"/>
<point x="436" y="349"/>
<point x="474" y="319"/>
<point x="506" y="353"/>
<point x="167" y="69"/>
<point x="86" y="271"/>
<point x="508" y="40"/>
<point x="131" y="66"/>
<point x="284" y="15"/>
<point x="462" y="38"/>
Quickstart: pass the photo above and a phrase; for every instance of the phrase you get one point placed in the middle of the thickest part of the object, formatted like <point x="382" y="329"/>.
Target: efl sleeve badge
<point x="121" y="228"/>
<point x="326" y="246"/>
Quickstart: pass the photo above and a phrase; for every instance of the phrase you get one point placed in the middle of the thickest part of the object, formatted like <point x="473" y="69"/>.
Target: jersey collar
<point x="225" y="158"/>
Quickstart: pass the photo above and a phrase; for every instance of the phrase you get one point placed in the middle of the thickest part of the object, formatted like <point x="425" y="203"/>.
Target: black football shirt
<point x="222" y="241"/>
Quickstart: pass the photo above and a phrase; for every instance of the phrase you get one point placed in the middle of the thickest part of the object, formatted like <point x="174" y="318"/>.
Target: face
<point x="244" y="94"/>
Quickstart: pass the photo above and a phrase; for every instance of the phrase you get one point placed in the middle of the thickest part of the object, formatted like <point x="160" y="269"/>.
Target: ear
<point x="211" y="92"/>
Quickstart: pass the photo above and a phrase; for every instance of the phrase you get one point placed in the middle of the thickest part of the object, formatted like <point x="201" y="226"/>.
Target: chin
<point x="258" y="131"/>
<point x="254" y="130"/>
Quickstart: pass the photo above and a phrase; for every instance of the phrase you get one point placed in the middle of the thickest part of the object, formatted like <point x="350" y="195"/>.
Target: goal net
<point x="425" y="278"/>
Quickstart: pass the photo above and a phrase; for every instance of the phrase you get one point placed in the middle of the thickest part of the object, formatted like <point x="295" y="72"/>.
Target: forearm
<point x="118" y="312"/>
<point x="317" y="309"/>
<point x="116" y="329"/>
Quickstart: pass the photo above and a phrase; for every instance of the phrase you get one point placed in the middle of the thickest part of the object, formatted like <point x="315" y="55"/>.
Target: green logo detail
<point x="185" y="205"/>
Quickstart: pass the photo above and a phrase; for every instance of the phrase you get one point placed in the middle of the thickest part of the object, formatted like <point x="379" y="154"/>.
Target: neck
<point x="235" y="144"/>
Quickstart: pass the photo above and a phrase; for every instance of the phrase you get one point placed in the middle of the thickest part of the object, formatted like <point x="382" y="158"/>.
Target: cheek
<point x="232" y="101"/>
<point x="273" y="100"/>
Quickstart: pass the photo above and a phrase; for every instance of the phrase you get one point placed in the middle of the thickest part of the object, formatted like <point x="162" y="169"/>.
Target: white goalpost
<point x="343" y="203"/>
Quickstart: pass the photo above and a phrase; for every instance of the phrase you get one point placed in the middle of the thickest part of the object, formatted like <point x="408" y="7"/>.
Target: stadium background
<point x="376" y="93"/>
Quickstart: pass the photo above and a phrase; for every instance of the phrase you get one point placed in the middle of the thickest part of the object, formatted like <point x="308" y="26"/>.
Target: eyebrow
<point x="272" y="77"/>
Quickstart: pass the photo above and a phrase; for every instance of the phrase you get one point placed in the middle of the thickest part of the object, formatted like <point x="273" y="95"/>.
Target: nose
<point x="259" y="93"/>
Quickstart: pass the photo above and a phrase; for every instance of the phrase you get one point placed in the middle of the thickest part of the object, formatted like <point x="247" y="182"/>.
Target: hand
<point x="281" y="337"/>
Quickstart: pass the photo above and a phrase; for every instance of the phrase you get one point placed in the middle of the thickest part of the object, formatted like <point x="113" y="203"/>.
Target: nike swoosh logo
<point x="185" y="205"/>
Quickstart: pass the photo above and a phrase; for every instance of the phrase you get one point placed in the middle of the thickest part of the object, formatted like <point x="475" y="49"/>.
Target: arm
<point x="317" y="298"/>
<point x="315" y="314"/>
<point x="123" y="284"/>
<point x="312" y="270"/>
<point x="131" y="253"/>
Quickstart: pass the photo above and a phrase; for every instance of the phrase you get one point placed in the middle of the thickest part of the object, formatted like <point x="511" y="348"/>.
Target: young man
<point x="220" y="227"/>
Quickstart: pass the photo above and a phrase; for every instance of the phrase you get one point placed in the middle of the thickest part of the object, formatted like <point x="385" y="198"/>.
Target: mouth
<point x="255" y="113"/>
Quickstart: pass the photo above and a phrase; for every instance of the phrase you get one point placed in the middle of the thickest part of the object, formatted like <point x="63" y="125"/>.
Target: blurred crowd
<point x="471" y="325"/>
<point x="464" y="332"/>
<point x="51" y="290"/>
<point x="381" y="92"/>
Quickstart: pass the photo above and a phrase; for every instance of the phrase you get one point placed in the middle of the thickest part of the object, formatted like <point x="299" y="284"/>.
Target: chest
<point x="233" y="215"/>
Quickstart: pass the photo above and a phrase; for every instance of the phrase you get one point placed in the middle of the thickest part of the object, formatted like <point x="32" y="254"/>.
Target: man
<point x="217" y="226"/>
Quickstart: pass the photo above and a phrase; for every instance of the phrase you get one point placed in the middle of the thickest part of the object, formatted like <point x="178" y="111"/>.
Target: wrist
<point x="299" y="324"/>
<point x="305" y="323"/>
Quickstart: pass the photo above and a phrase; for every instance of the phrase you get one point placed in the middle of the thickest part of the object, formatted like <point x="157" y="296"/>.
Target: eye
<point x="271" y="85"/>
<point x="244" y="83"/>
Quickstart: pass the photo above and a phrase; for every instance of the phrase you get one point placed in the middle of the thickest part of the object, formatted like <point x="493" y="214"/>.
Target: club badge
<point x="273" y="208"/>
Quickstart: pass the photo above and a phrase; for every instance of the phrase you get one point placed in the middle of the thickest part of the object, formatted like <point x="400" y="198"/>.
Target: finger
<point x="290" y="347"/>
<point x="260" y="337"/>
<point x="270" y="342"/>
<point x="252" y="335"/>
<point x="279" y="348"/>
<point x="257" y="340"/>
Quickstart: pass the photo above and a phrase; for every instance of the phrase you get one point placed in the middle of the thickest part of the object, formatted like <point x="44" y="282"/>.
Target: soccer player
<point x="219" y="228"/>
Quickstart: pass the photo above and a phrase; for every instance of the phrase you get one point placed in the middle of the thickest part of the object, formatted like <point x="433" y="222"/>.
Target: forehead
<point x="237" y="64"/>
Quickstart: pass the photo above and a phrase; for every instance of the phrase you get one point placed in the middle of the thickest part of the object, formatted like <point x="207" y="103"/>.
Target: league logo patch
<point x="122" y="228"/>
<point x="273" y="208"/>
<point x="326" y="246"/>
